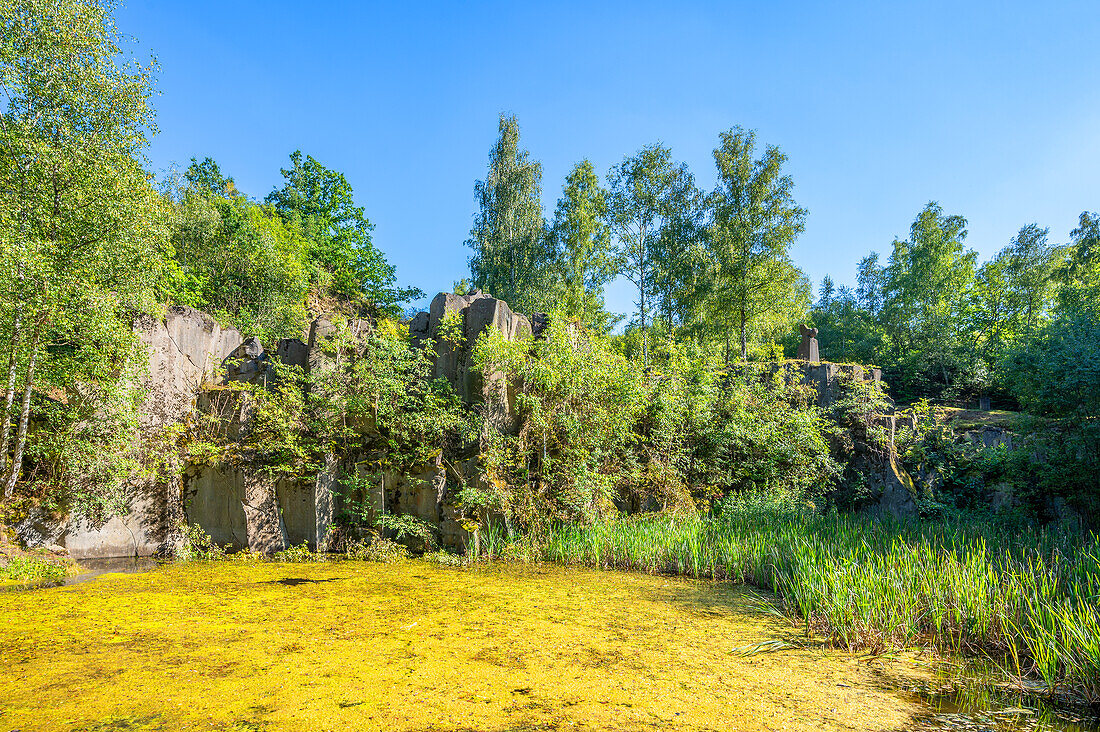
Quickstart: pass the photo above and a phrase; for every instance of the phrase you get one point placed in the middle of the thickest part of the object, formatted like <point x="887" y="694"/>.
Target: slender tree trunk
<point x="668" y="312"/>
<point x="25" y="415"/>
<point x="744" y="337"/>
<point x="9" y="392"/>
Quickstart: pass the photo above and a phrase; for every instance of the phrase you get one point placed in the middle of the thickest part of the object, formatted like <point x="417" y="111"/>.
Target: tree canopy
<point x="512" y="257"/>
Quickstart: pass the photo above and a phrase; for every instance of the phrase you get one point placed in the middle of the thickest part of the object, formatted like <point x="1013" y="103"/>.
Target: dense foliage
<point x="691" y="412"/>
<point x="600" y="433"/>
<point x="659" y="416"/>
<point x="88" y="244"/>
<point x="82" y="244"/>
<point x="1018" y="329"/>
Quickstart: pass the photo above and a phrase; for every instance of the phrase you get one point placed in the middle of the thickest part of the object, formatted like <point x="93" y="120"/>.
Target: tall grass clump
<point x="959" y="587"/>
<point x="28" y="568"/>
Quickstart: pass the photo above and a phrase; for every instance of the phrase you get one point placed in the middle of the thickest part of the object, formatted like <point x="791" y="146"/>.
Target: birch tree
<point x="512" y="258"/>
<point x="646" y="200"/>
<point x="80" y="225"/>
<point x="756" y="220"/>
<point x="582" y="241"/>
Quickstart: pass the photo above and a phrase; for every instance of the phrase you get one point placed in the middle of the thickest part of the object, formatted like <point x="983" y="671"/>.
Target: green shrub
<point x="376" y="549"/>
<point x="298" y="553"/>
<point x="196" y="545"/>
<point x="34" y="569"/>
<point x="598" y="432"/>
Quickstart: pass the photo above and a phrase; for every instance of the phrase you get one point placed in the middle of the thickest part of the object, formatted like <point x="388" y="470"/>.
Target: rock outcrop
<point x="470" y="316"/>
<point x="193" y="359"/>
<point x="187" y="349"/>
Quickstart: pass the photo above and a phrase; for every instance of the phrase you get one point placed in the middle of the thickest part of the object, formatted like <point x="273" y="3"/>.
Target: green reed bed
<point x="1029" y="597"/>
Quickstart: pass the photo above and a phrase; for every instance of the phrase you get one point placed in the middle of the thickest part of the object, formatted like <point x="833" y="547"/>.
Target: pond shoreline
<point x="936" y="698"/>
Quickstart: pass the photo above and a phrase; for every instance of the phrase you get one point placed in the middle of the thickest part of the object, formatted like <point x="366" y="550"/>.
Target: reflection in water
<point x="967" y="702"/>
<point x="108" y="565"/>
<point x="89" y="570"/>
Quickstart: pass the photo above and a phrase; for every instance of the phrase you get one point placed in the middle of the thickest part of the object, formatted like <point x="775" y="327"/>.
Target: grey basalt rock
<point x="807" y="350"/>
<point x="248" y="362"/>
<point x="292" y="352"/>
<point x="540" y="322"/>
<point x="823" y="376"/>
<point x="418" y="328"/>
<point x="474" y="315"/>
<point x="262" y="517"/>
<point x="989" y="437"/>
<point x="244" y="508"/>
<point x="191" y="358"/>
<point x="186" y="350"/>
<point x="898" y="499"/>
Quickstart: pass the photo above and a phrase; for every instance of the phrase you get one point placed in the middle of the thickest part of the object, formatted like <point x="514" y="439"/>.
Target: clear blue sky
<point x="992" y="109"/>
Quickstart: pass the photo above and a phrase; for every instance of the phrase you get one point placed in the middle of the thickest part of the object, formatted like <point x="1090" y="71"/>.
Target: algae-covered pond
<point x="415" y="646"/>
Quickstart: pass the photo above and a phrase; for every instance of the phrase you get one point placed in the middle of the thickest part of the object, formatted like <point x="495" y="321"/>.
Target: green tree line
<point x="1020" y="329"/>
<point x="707" y="267"/>
<point x="714" y="270"/>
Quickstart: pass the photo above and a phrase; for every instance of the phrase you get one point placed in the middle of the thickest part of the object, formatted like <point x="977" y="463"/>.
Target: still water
<point x="413" y="646"/>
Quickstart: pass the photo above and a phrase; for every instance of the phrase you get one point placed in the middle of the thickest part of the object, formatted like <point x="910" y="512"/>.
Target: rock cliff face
<point x="192" y="358"/>
<point x="186" y="350"/>
<point x="425" y="492"/>
<point x="471" y="315"/>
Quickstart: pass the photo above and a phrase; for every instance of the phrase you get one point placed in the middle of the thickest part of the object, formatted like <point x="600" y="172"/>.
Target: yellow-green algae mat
<point x="413" y="646"/>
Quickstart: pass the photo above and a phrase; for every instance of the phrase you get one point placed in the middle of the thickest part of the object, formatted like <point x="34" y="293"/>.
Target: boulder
<point x="899" y="493"/>
<point x="248" y="362"/>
